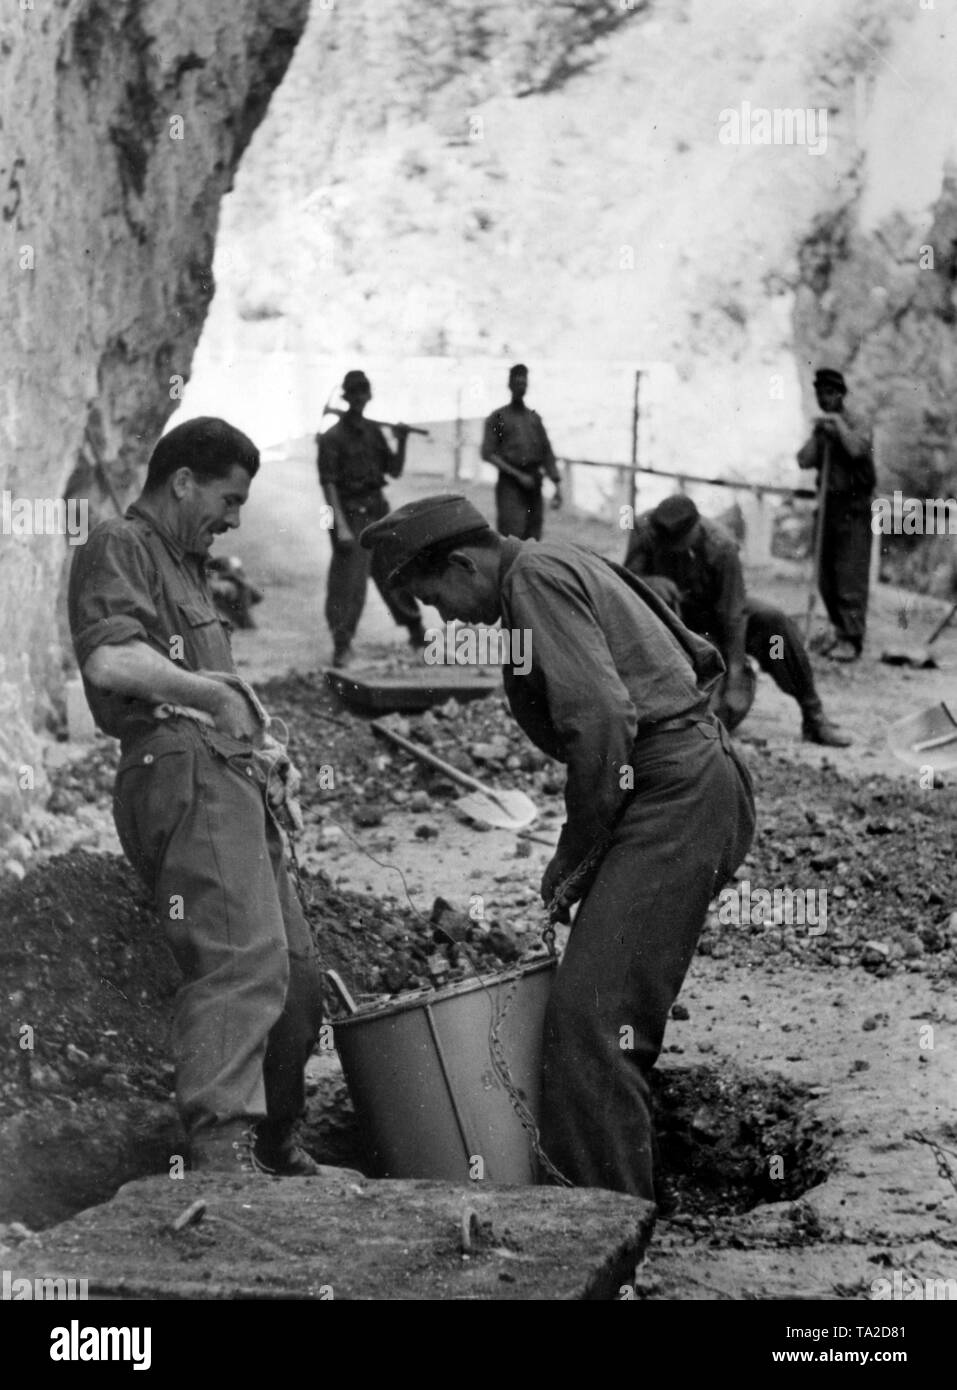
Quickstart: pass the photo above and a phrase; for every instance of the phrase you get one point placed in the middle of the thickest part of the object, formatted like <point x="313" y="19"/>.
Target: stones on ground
<point x="420" y="801"/>
<point x="367" y="814"/>
<point x="502" y="941"/>
<point x="493" y="752"/>
<point x="426" y="831"/>
<point x="680" y="1013"/>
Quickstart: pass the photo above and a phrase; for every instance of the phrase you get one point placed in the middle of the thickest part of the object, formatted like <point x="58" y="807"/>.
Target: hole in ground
<point x="730" y="1139"/>
<point x="718" y="1132"/>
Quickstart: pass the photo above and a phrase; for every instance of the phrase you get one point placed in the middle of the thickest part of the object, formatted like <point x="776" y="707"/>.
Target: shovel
<point x="920" y="657"/>
<point x="510" y="810"/>
<point x="926" y="739"/>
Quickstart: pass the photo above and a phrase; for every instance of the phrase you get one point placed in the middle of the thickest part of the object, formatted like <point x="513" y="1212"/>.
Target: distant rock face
<point x="121" y="124"/>
<point x="590" y="181"/>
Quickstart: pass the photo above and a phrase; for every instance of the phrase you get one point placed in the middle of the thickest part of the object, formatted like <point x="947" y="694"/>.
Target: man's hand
<point x="400" y="432"/>
<point x="828" y="426"/>
<point x="234" y="715"/>
<point x="556" y="871"/>
<point x="666" y="589"/>
<point x="557" y="498"/>
<point x="736" y="696"/>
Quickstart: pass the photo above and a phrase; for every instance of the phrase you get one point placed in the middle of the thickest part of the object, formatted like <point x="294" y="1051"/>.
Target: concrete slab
<point x="340" y="1237"/>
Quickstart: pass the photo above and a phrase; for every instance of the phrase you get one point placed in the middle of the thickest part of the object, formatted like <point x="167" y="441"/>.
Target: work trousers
<point x="846" y="563"/>
<point x="775" y="643"/>
<point x="349" y="572"/>
<point x="517" y="512"/>
<point x="194" y="824"/>
<point x="771" y="638"/>
<point x="685" y="831"/>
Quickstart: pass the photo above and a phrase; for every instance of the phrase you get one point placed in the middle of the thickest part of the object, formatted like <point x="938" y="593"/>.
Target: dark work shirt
<point x="133" y="581"/>
<point x="607" y="659"/>
<point x="354" y="456"/>
<point x="518" y="436"/>
<point x="708" y="576"/>
<point x="849" y="470"/>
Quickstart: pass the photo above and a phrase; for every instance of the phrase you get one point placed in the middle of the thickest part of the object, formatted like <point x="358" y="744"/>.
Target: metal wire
<point x="944" y="1167"/>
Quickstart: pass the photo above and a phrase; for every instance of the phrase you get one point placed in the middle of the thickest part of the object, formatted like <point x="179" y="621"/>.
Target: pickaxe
<point x="330" y="409"/>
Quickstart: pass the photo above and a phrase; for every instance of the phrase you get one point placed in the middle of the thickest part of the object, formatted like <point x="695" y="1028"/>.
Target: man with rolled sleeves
<point x="659" y="808"/>
<point x="515" y="442"/>
<point x="840" y="449"/>
<point x="694" y="565"/>
<point x="195" y="801"/>
<point x="354" y="463"/>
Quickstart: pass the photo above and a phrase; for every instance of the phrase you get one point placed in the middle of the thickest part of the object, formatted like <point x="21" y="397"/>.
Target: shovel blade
<point x="507" y="810"/>
<point x="928" y="738"/>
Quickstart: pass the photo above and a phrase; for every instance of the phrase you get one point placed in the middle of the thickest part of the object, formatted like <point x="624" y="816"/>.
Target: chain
<point x="500" y="1065"/>
<point x="495" y="1046"/>
<point x="944" y="1167"/>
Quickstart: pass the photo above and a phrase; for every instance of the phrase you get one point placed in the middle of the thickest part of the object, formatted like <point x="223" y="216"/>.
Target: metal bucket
<point x="428" y="1083"/>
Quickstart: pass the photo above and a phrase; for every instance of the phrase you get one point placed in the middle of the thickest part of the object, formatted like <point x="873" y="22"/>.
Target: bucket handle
<point x="345" y="998"/>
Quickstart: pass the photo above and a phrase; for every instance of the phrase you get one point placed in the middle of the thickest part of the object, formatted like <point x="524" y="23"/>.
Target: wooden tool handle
<point x="431" y="759"/>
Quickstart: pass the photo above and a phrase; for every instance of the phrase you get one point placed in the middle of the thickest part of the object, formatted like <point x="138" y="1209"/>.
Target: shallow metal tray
<point x="375" y="691"/>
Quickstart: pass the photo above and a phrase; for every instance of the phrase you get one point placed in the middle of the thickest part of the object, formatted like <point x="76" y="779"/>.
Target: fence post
<point x="635" y="418"/>
<point x="457" y="437"/>
<point x="758" y="527"/>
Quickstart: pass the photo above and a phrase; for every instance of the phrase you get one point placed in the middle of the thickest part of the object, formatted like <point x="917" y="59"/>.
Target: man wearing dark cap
<point x="199" y="785"/>
<point x="515" y="442"/>
<point x="659" y="807"/>
<point x="693" y="564"/>
<point x="354" y="464"/>
<point x="840" y="449"/>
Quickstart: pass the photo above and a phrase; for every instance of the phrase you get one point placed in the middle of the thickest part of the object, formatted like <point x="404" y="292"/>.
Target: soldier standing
<point x="354" y="464"/>
<point x="841" y="451"/>
<point x="515" y="442"/>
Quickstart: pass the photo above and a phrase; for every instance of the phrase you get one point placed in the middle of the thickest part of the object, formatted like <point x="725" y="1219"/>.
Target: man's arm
<point x="548" y="456"/>
<point x="729" y="607"/>
<point x="589" y="706"/>
<point x="856" y="438"/>
<point x="808" y="454"/>
<point x="328" y="462"/>
<point x="134" y="669"/>
<point x="638" y="557"/>
<point x="394" y="461"/>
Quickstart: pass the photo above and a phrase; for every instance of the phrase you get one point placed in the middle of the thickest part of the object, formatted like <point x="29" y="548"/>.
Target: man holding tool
<point x="516" y="444"/>
<point x="693" y="564"/>
<point x="354" y="463"/>
<point x="199" y="785"/>
<point x="841" y="450"/>
<point x="659" y="807"/>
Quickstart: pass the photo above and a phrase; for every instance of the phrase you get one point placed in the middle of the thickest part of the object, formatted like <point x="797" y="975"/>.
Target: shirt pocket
<point x="203" y="623"/>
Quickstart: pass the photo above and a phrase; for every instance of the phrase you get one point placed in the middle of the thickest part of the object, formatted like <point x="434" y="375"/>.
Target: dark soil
<point x="85" y="967"/>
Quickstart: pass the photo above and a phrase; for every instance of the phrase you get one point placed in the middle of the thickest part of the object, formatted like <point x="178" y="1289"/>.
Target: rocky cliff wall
<point x="121" y="126"/>
<point x="551" y="183"/>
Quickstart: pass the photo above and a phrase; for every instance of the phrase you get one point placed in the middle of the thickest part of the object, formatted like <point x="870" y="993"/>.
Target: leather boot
<point x="225" y="1148"/>
<point x="278" y="1151"/>
<point x="819" y="729"/>
<point x="844" y="652"/>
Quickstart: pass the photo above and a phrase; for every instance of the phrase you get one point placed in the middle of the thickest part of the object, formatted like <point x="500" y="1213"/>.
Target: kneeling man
<point x="693" y="564"/>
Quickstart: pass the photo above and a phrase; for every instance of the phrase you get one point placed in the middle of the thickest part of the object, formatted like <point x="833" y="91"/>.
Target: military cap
<point x="827" y="376"/>
<point x="355" y="381"/>
<point x="675" y="517"/>
<point x="411" y="530"/>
